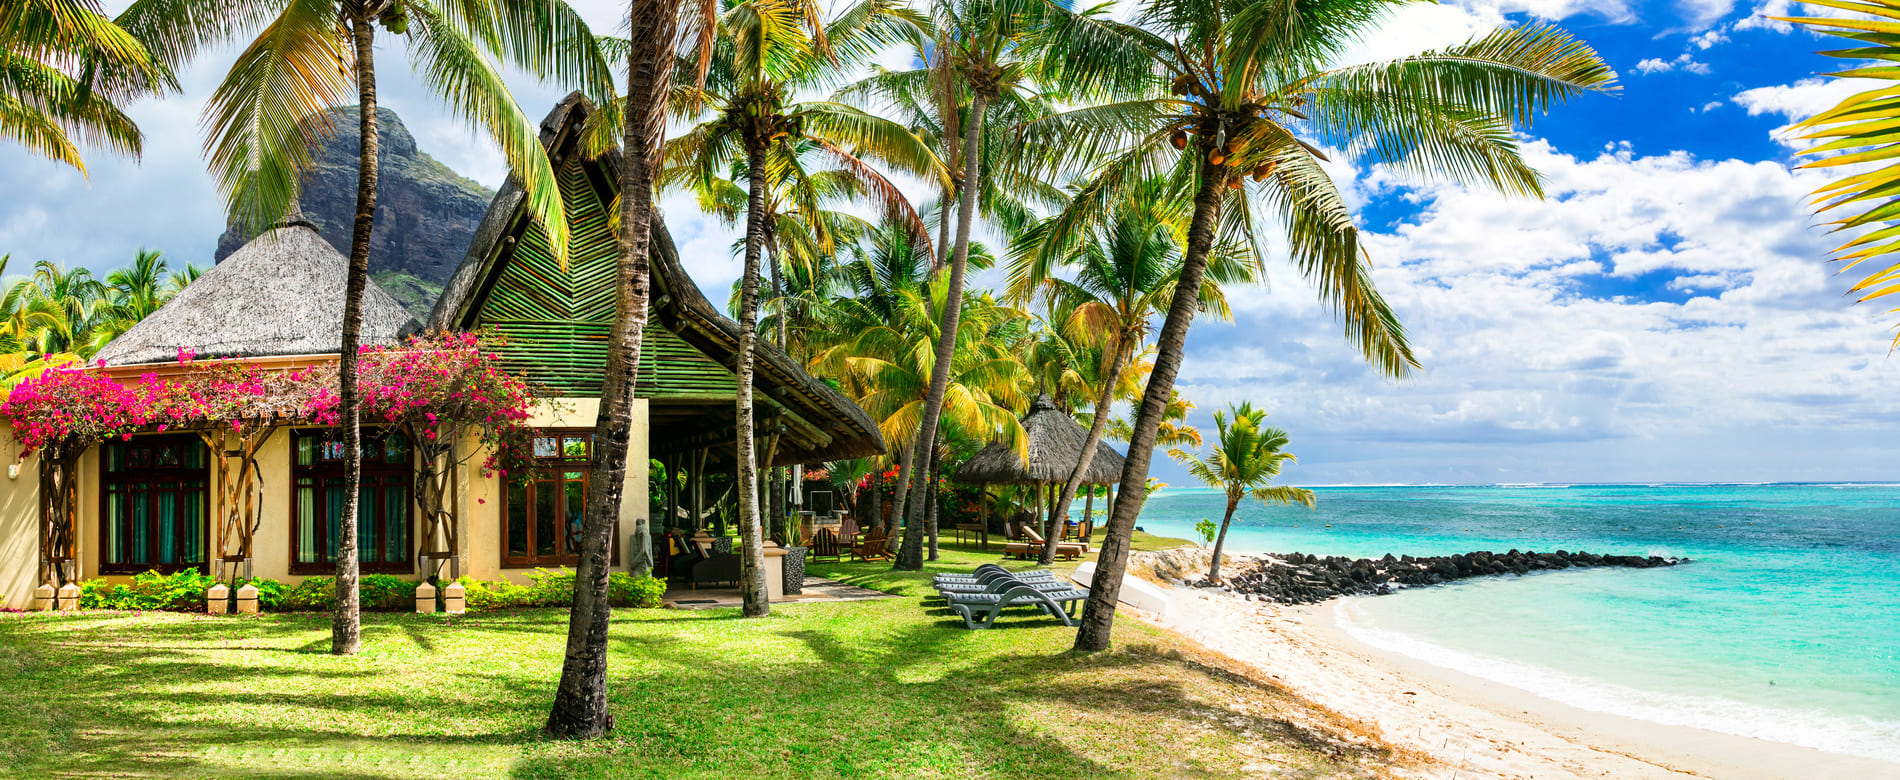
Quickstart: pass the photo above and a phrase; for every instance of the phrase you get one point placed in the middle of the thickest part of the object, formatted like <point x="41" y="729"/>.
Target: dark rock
<point x="1305" y="579"/>
<point x="426" y="213"/>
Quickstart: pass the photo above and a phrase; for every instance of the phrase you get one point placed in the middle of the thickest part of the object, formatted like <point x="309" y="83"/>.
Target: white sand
<point x="1476" y="728"/>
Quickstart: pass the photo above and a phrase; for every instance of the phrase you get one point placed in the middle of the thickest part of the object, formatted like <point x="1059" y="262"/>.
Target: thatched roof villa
<point x="266" y="501"/>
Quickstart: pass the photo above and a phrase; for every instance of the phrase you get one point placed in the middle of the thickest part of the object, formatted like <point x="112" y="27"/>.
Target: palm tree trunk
<point x="1098" y="615"/>
<point x="752" y="558"/>
<point x="1213" y="569"/>
<point x="910" y="558"/>
<point x="899" y="495"/>
<point x="779" y="493"/>
<point x="1088" y="509"/>
<point x="943" y="228"/>
<point x="346" y="625"/>
<point x="934" y="505"/>
<point x="1097" y="427"/>
<point x="580" y="699"/>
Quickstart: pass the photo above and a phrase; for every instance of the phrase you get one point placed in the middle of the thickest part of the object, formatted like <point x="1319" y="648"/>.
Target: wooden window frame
<point x="554" y="467"/>
<point x="109" y="480"/>
<point x="383" y="475"/>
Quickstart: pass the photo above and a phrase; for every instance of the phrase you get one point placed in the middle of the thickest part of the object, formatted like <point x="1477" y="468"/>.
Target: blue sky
<point x="1667" y="314"/>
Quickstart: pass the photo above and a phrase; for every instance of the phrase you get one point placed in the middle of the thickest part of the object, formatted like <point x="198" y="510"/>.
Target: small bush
<point x="314" y="594"/>
<point x="501" y="594"/>
<point x="626" y="590"/>
<point x="180" y="592"/>
<point x="552" y="588"/>
<point x="555" y="588"/>
<point x="386" y="593"/>
<point x="270" y="593"/>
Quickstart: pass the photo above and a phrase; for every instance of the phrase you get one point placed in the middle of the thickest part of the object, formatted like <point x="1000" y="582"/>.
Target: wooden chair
<point x="824" y="544"/>
<point x="871" y="548"/>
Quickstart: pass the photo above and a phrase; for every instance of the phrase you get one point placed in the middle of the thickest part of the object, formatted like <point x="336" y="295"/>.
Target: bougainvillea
<point x="432" y="385"/>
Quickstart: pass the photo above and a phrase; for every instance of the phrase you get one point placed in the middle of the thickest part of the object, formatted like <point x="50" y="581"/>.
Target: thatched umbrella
<point x="281" y="294"/>
<point x="1055" y="445"/>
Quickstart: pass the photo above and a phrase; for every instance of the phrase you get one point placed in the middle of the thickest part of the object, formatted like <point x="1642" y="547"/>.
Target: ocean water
<point x="1785" y="627"/>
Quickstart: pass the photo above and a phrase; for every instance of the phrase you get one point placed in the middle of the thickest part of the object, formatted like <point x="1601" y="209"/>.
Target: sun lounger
<point x="979" y="610"/>
<point x="990" y="574"/>
<point x="994" y="587"/>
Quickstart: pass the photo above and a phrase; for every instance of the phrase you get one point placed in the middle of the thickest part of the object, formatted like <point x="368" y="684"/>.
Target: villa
<point x="265" y="502"/>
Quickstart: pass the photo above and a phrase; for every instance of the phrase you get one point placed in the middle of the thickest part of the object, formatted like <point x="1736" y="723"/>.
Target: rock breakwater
<point x="1307" y="579"/>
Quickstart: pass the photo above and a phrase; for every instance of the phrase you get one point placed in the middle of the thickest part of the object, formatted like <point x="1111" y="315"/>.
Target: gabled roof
<point x="822" y="424"/>
<point x="281" y="294"/>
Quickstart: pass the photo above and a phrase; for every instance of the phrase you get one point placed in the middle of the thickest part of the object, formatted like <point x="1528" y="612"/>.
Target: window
<point x="541" y="523"/>
<point x="155" y="493"/>
<point x="382" y="510"/>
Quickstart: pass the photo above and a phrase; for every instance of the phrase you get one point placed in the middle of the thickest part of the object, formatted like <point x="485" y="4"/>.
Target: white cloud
<point x="1804" y="98"/>
<point x="1708" y="40"/>
<point x="1683" y="62"/>
<point x="1702" y="13"/>
<point x="1656" y="303"/>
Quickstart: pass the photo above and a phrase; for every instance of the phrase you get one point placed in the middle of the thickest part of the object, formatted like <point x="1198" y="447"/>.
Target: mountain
<point x="426" y="213"/>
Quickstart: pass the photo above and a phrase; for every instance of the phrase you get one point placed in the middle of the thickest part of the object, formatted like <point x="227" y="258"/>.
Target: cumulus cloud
<point x="1684" y="62"/>
<point x="1658" y="302"/>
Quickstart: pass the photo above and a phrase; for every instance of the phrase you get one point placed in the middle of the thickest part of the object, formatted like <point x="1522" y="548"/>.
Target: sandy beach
<point x="1474" y="727"/>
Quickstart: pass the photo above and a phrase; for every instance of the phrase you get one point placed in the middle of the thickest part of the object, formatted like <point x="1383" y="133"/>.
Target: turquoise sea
<point x="1786" y="627"/>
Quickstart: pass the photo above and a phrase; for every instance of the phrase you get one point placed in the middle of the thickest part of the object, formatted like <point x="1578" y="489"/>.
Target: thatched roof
<point x="835" y="427"/>
<point x="282" y="294"/>
<point x="1055" y="445"/>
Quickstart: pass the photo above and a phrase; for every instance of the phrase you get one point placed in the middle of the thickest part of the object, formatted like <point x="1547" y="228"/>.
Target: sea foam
<point x="1862" y="737"/>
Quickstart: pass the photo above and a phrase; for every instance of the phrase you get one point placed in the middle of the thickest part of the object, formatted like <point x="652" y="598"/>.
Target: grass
<point x="884" y="688"/>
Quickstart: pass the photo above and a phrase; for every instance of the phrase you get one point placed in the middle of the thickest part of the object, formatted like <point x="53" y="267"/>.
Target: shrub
<point x="555" y="588"/>
<point x="180" y="592"/>
<point x="552" y="588"/>
<point x="270" y="593"/>
<point x="314" y="594"/>
<point x="386" y="593"/>
<point x="626" y="590"/>
<point x="502" y="594"/>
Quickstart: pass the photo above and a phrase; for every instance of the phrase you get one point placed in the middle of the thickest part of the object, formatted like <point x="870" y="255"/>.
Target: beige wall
<point x="19" y="523"/>
<point x="478" y="505"/>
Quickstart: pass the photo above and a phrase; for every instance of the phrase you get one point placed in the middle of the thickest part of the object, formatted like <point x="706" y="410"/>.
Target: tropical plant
<point x="272" y="108"/>
<point x="759" y="61"/>
<point x="1236" y="85"/>
<point x="1124" y="267"/>
<point x="64" y="67"/>
<point x="984" y="50"/>
<point x="1174" y="430"/>
<point x="1859" y="127"/>
<point x="1245" y="459"/>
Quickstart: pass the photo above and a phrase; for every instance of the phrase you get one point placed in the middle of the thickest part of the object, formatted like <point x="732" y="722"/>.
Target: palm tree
<point x="880" y="344"/>
<point x="580" y="698"/>
<point x="76" y="301"/>
<point x="272" y="108"/>
<point x="1125" y="264"/>
<point x="63" y="66"/>
<point x="1245" y="459"/>
<point x="132" y="294"/>
<point x="1174" y="430"/>
<point x="1238" y="84"/>
<point x="1858" y="126"/>
<point x="986" y="49"/>
<point x="755" y="70"/>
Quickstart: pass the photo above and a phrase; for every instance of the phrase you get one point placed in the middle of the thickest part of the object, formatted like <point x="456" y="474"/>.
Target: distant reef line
<point x="1298" y="578"/>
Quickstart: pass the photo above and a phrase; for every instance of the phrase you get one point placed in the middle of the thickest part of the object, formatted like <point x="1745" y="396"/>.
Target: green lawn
<point x="886" y="688"/>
